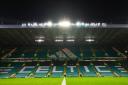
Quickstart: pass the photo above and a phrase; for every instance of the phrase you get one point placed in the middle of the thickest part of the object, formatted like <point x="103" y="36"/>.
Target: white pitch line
<point x="63" y="82"/>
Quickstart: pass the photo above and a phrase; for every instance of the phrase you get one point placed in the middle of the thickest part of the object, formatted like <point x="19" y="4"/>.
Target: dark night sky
<point x="84" y="10"/>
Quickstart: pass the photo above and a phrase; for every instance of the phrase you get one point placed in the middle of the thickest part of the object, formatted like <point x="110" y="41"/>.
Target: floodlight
<point x="49" y="24"/>
<point x="39" y="40"/>
<point x="64" y="23"/>
<point x="24" y="25"/>
<point x="59" y="40"/>
<point x="90" y="40"/>
<point x="35" y="24"/>
<point x="70" y="40"/>
<point x="78" y="24"/>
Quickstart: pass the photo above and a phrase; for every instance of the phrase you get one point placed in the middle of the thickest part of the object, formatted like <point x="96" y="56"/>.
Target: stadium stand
<point x="63" y="53"/>
<point x="58" y="71"/>
<point x="27" y="62"/>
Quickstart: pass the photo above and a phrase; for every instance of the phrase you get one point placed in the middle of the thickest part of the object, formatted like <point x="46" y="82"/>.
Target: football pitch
<point x="69" y="81"/>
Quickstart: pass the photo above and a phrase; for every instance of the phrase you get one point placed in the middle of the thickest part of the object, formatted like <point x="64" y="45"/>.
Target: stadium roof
<point x="58" y="36"/>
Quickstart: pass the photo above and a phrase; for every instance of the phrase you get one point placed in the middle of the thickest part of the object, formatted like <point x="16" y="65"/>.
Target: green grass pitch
<point x="69" y="81"/>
